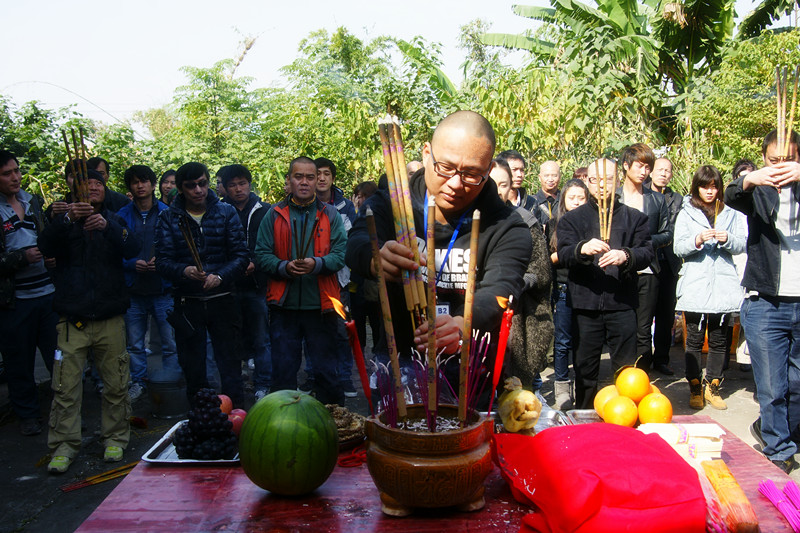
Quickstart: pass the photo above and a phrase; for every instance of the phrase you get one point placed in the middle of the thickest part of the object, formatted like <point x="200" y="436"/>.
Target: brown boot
<point x="696" y="400"/>
<point x="712" y="395"/>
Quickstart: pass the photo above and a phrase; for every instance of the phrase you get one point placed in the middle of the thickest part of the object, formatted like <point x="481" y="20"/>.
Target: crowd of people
<point x="222" y="278"/>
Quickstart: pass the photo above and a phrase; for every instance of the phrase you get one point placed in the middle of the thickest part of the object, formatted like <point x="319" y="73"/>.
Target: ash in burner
<point x="420" y="425"/>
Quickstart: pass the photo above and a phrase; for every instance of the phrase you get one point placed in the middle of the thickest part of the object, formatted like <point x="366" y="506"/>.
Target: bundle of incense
<point x="784" y="131"/>
<point x="605" y="200"/>
<point x="432" y="367"/>
<point x="308" y="242"/>
<point x="716" y="212"/>
<point x="387" y="315"/>
<point x="739" y="514"/>
<point x="403" y="214"/>
<point x="100" y="478"/>
<point x="466" y="334"/>
<point x="80" y="174"/>
<point x="770" y="490"/>
<point x="183" y="225"/>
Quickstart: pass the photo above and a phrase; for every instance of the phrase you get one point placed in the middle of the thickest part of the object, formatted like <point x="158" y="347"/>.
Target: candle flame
<point x="339" y="307"/>
<point x="502" y="302"/>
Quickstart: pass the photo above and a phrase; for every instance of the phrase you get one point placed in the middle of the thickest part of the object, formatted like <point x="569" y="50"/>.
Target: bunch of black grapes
<point x="207" y="435"/>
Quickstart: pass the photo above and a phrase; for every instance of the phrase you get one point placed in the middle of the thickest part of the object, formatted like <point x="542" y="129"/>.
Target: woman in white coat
<point x="707" y="236"/>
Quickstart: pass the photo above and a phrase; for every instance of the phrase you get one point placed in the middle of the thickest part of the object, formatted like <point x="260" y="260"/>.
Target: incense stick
<point x="387" y="315"/>
<point x="431" y="249"/>
<point x="187" y="236"/>
<point x="613" y="196"/>
<point x="466" y="335"/>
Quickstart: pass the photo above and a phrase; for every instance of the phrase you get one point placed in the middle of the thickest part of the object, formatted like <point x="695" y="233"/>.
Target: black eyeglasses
<point x="447" y="170"/>
<point x="595" y="180"/>
<point x="195" y="184"/>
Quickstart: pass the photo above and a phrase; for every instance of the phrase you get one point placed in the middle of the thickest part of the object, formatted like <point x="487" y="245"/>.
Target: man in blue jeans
<point x="770" y="197"/>
<point x="301" y="244"/>
<point x="149" y="291"/>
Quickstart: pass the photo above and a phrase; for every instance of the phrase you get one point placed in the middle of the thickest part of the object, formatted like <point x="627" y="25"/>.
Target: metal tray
<point x="163" y="452"/>
<point x="583" y="416"/>
<point x="548" y="419"/>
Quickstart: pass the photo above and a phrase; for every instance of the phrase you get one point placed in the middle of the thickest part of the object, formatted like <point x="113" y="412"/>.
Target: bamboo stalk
<point x="387" y="315"/>
<point x="396" y="212"/>
<point x="431" y="249"/>
<point x="791" y="114"/>
<point x="466" y="335"/>
<point x="778" y="101"/>
<point x="412" y="229"/>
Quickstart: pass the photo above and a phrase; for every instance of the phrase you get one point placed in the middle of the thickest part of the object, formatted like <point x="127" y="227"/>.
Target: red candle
<point x="358" y="355"/>
<point x="502" y="342"/>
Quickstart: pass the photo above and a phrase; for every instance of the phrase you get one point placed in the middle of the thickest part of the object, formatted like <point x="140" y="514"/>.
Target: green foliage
<point x="763" y="15"/>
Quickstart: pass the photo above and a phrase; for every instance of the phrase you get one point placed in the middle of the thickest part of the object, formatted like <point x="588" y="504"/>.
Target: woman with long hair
<point x="574" y="194"/>
<point x="707" y="236"/>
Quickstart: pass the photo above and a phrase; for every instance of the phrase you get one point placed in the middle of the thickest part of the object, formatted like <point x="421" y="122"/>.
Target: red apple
<point x="226" y="405"/>
<point x="237" y="419"/>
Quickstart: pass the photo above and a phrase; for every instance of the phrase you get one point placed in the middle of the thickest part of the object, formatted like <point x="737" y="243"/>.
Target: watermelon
<point x="288" y="444"/>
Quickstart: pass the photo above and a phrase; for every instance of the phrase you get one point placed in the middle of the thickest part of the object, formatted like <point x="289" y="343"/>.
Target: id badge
<point x="442" y="308"/>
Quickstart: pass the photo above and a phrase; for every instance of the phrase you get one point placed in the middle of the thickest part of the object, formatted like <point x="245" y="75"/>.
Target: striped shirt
<point x="33" y="280"/>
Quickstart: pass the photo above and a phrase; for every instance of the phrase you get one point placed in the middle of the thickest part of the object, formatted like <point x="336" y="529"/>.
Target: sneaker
<point x="59" y="464"/>
<point x="787" y="465"/>
<point x="745" y="367"/>
<point x="113" y="454"/>
<point x="349" y="390"/>
<point x="755" y="431"/>
<point x="30" y="426"/>
<point x="696" y="400"/>
<point x="136" y="391"/>
<point x="712" y="395"/>
<point x="260" y="393"/>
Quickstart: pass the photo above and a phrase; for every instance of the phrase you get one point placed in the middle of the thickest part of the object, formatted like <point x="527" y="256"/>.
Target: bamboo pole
<point x="412" y="228"/>
<point x="466" y="335"/>
<point x="612" y="198"/>
<point x="387" y="315"/>
<point x="600" y="200"/>
<point x="431" y="250"/>
<point x="400" y="233"/>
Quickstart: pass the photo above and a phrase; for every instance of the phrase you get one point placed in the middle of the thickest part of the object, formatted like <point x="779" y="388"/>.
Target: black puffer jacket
<point x="220" y="243"/>
<point x="89" y="280"/>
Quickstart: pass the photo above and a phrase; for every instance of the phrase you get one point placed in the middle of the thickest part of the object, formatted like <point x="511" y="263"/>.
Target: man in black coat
<point x="204" y="301"/>
<point x="603" y="284"/>
<point x="88" y="243"/>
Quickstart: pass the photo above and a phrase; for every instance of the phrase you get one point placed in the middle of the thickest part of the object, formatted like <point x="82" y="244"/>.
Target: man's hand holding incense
<point x="95" y="222"/>
<point x="395" y="258"/>
<point x="212" y="282"/>
<point x="59" y="208"/>
<point x="448" y="334"/>
<point x="79" y="210"/>
<point x="786" y="173"/>
<point x="300" y="267"/>
<point x="191" y="272"/>
<point x="594" y="247"/>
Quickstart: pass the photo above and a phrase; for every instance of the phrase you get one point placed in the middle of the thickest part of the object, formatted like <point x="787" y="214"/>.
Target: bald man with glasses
<point x="456" y="166"/>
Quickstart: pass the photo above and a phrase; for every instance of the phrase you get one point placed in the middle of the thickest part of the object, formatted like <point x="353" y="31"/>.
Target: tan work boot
<point x="712" y="395"/>
<point x="696" y="400"/>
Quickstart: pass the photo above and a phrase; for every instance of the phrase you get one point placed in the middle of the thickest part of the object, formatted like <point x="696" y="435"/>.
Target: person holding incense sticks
<point x="89" y="244"/>
<point x="637" y="161"/>
<point x="300" y="245"/>
<point x="201" y="250"/>
<point x="27" y="319"/>
<point x="251" y="289"/>
<point x="457" y="162"/>
<point x="150" y="293"/>
<point x="573" y="195"/>
<point x="770" y="313"/>
<point x="707" y="236"/>
<point x="603" y="261"/>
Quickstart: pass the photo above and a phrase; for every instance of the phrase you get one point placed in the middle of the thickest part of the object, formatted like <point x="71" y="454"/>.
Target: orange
<point x="634" y="383"/>
<point x="655" y="407"/>
<point x="621" y="410"/>
<point x="655" y="389"/>
<point x="602" y="396"/>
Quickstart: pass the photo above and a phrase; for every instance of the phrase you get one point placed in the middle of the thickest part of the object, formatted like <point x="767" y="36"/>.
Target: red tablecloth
<point x="185" y="498"/>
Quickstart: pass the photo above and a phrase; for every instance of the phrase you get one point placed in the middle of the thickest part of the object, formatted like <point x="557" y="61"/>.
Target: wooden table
<point x="184" y="498"/>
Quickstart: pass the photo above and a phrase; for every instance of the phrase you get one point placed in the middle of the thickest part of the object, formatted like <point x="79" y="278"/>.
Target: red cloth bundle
<point x="597" y="478"/>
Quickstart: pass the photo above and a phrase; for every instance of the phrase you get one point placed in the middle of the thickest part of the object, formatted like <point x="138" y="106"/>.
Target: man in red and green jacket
<point x="301" y="244"/>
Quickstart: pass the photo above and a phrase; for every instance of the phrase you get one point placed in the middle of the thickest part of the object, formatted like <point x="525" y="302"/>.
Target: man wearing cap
<point x="89" y="244"/>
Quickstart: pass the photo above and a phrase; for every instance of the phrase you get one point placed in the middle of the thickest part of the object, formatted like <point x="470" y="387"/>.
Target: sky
<point x="114" y="57"/>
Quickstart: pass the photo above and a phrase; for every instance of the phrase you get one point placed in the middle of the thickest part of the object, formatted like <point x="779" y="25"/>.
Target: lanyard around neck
<point x="452" y="239"/>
